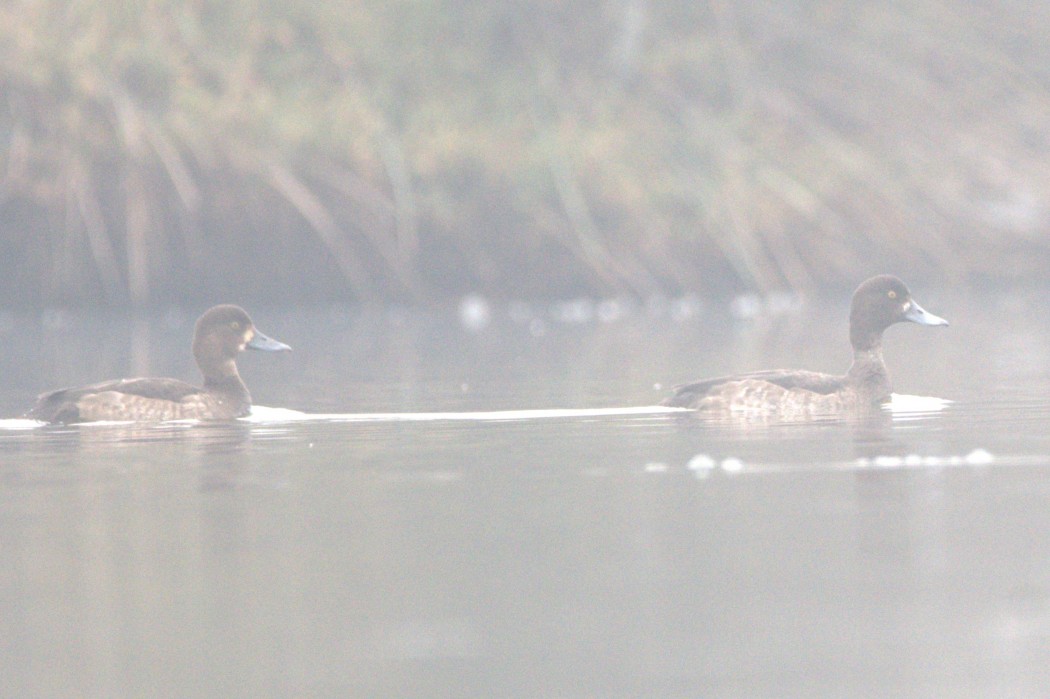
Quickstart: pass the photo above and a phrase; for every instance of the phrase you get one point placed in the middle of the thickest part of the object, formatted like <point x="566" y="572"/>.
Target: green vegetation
<point x="251" y="149"/>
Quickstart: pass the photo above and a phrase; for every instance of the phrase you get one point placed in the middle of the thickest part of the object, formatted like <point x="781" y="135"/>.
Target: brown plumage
<point x="877" y="304"/>
<point x="220" y="334"/>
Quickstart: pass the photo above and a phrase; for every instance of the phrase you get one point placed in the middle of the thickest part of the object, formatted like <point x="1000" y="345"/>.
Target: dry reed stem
<point x="321" y="221"/>
<point x="89" y="213"/>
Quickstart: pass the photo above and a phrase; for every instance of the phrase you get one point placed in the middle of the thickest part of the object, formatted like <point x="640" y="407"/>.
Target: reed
<point x="167" y="151"/>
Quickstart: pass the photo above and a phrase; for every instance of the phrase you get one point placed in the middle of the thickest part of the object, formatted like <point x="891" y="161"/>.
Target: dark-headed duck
<point x="220" y="334"/>
<point x="877" y="304"/>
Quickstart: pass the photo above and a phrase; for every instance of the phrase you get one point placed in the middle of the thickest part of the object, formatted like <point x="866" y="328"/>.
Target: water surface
<point x="599" y="550"/>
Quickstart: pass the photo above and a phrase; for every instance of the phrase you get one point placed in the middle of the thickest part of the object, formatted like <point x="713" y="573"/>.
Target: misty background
<point x="191" y="152"/>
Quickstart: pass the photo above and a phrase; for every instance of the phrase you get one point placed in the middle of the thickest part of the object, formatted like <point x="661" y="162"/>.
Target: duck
<point x="220" y="334"/>
<point x="878" y="303"/>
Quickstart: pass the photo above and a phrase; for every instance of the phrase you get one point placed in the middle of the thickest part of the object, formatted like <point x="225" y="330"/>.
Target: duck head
<point x="879" y="303"/>
<point x="221" y="334"/>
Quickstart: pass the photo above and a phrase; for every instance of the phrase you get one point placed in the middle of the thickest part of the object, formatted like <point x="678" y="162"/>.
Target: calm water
<point x="571" y="555"/>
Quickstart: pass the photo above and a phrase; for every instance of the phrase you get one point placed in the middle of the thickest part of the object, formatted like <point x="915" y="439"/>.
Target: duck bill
<point x="266" y="344"/>
<point x="918" y="314"/>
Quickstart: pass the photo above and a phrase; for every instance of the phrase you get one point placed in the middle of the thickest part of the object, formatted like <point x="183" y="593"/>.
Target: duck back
<point x="772" y="381"/>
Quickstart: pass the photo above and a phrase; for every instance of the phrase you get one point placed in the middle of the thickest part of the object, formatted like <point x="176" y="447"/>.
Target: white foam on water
<point x="731" y="464"/>
<point x="20" y="423"/>
<point x="902" y="404"/>
<point x="263" y="414"/>
<point x="975" y="457"/>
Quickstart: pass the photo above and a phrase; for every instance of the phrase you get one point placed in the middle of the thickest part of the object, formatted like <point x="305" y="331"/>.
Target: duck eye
<point x="892" y="294"/>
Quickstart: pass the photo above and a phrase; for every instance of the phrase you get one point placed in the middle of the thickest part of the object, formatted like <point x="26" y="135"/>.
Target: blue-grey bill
<point x="918" y="314"/>
<point x="267" y="344"/>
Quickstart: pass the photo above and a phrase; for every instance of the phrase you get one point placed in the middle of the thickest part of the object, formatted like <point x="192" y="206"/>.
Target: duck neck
<point x="225" y="379"/>
<point x="864" y="338"/>
<point x="868" y="373"/>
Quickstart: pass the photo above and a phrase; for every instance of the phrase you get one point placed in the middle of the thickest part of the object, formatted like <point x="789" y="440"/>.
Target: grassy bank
<point x="164" y="150"/>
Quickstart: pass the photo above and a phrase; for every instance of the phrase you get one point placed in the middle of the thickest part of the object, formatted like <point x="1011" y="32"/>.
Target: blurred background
<point x="454" y="209"/>
<point x="162" y="152"/>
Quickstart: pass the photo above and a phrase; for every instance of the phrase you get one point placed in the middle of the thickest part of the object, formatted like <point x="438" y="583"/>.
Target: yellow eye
<point x="892" y="294"/>
<point x="235" y="325"/>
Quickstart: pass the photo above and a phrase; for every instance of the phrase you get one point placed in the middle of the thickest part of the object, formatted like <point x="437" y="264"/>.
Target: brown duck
<point x="877" y="304"/>
<point x="220" y="334"/>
